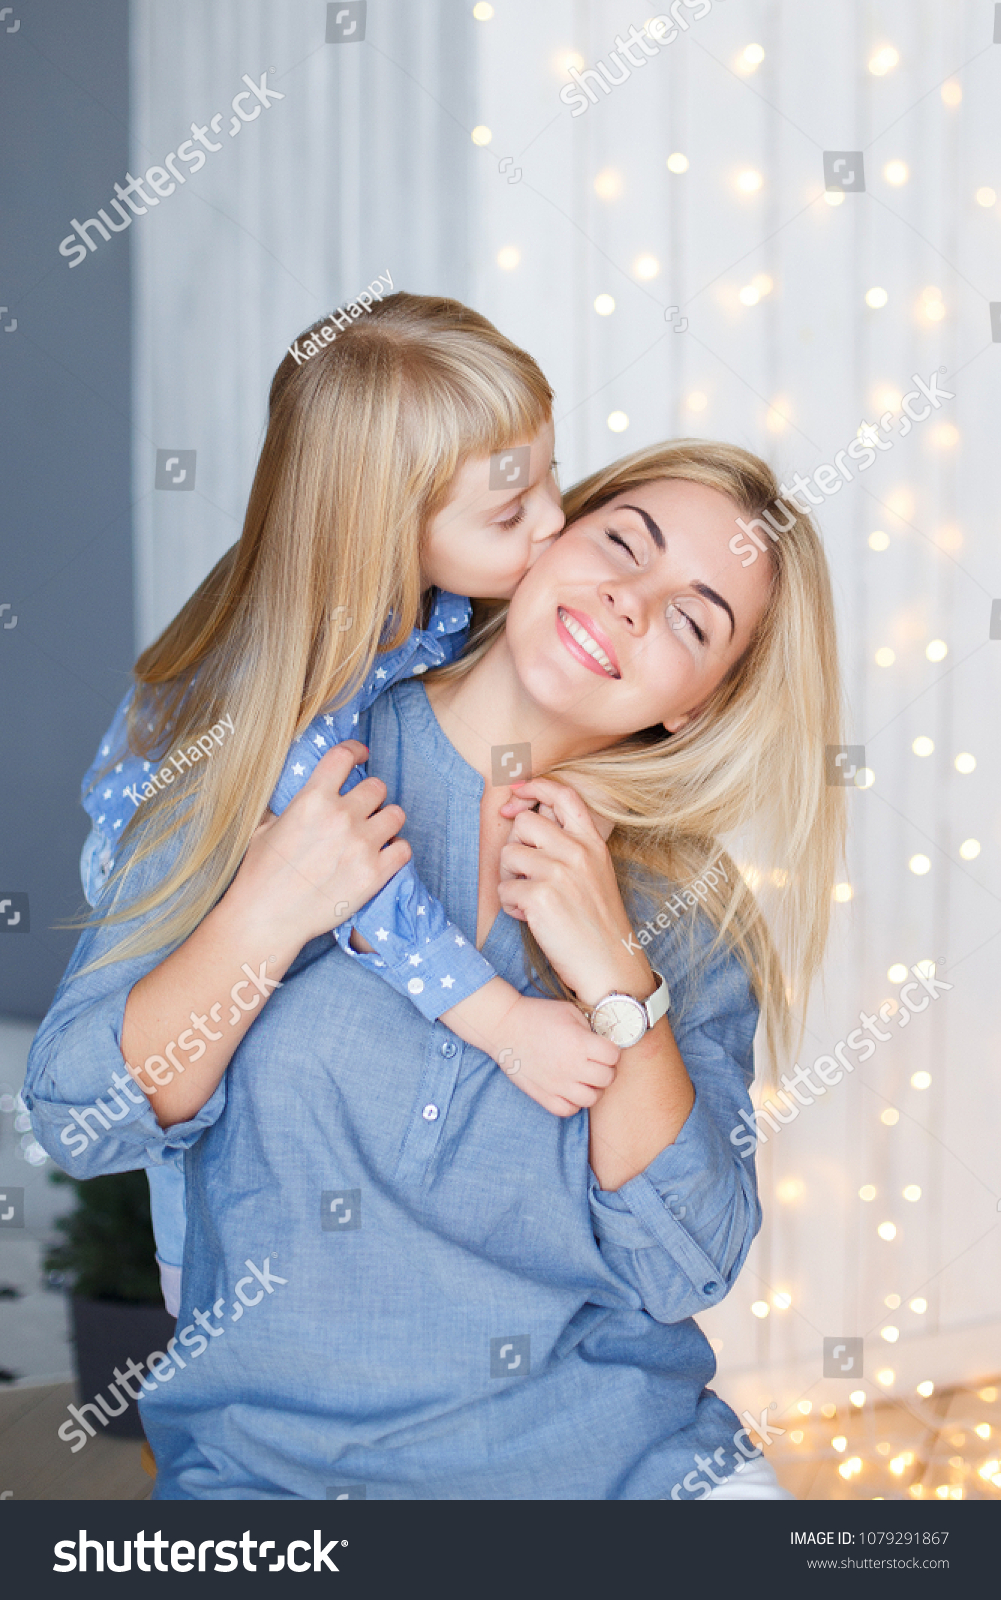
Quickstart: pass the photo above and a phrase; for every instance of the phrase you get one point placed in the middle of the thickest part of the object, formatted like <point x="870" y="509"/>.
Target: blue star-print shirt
<point x="420" y="952"/>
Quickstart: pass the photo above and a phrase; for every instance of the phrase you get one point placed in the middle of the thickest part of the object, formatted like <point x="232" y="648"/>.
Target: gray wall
<point x="65" y="535"/>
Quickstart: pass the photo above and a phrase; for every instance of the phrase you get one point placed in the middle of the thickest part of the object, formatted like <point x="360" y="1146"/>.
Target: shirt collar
<point x="450" y="613"/>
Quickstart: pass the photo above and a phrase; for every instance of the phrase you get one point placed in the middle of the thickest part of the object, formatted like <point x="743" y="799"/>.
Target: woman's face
<point x="636" y="613"/>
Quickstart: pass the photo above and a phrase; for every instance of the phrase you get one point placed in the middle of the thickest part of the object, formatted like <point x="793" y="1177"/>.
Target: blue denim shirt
<point x="401" y="1278"/>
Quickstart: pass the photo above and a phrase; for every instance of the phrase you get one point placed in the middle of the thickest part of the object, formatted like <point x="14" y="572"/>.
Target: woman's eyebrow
<point x="651" y="527"/>
<point x="717" y="600"/>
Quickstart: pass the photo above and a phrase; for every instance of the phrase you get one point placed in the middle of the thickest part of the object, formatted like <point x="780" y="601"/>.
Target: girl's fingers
<point x="571" y="812"/>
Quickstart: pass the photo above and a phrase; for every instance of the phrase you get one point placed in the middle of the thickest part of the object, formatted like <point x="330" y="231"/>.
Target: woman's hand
<point x="559" y="878"/>
<point x="325" y="856"/>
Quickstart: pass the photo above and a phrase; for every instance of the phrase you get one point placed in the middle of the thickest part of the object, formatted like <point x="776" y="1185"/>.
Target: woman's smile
<point x="588" y="643"/>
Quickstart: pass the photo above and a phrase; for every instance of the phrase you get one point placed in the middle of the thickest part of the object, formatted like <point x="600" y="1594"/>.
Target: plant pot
<point x="107" y="1333"/>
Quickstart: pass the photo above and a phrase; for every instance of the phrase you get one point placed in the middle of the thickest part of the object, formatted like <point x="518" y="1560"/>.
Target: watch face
<point x="620" y="1019"/>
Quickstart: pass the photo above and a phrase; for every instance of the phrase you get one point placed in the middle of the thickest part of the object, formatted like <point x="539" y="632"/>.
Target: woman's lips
<point x="585" y="643"/>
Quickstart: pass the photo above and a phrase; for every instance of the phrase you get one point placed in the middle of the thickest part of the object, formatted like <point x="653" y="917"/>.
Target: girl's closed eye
<point x="519" y="516"/>
<point x="616" y="538"/>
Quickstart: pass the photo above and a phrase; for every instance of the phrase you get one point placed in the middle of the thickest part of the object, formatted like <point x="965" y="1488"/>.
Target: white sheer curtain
<point x="369" y="164"/>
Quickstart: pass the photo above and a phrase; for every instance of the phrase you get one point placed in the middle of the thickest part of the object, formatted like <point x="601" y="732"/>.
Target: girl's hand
<point x="559" y="878"/>
<point x="308" y="870"/>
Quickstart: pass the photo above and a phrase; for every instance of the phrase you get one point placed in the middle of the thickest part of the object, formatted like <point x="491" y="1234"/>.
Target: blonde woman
<point x="429" y="1286"/>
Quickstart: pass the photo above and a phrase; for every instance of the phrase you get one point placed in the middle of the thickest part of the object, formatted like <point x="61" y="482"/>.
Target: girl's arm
<point x="300" y="874"/>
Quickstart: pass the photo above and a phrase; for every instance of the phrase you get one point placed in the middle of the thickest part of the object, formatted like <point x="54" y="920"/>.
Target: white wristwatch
<point x="624" y="1020"/>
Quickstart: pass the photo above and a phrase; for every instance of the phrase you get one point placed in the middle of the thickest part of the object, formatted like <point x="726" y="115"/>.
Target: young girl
<point x="407" y="465"/>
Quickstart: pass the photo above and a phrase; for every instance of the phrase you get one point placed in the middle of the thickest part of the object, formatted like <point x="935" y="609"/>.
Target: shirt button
<point x="448" y="1049"/>
<point x="709" y="1288"/>
<point x="416" y="986"/>
<point x="430" y="1113"/>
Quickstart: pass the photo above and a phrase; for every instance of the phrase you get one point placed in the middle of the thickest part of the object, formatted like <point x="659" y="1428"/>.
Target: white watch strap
<point x="658" y="1003"/>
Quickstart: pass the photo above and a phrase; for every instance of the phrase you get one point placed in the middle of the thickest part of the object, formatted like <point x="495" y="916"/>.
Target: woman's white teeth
<point x="583" y="638"/>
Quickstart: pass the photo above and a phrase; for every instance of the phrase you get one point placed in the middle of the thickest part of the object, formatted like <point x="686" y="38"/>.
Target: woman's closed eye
<point x="674" y="612"/>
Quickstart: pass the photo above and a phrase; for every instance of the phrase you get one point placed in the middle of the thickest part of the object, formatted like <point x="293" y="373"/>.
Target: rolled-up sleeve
<point x="85" y="1110"/>
<point x="679" y="1231"/>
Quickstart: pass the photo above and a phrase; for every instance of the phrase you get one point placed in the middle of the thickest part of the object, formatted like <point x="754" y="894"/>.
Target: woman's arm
<point x="327" y="854"/>
<point x="569" y="895"/>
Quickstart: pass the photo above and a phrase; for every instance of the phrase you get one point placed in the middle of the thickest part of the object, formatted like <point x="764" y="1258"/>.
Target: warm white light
<point x="890" y="1333"/>
<point x="839" y="1442"/>
<point x="481" y="134"/>
<point x="779" y="413"/>
<point x="926" y="968"/>
<point x="804" y="1407"/>
<point x="890" y="1117"/>
<point x="926" y="1388"/>
<point x="946" y="435"/>
<point x="918" y="1305"/>
<point x="676" y="162"/>
<point x="883" y="61"/>
<point x="912" y="1192"/>
<point x="985" y="197"/>
<point x="931" y="303"/>
<point x="782" y="1302"/>
<point x="897" y="973"/>
<point x="885" y="1376"/>
<point x="867" y="1191"/>
<point x="482" y="11"/>
<point x="952" y="93"/>
<point x="920" y="1080"/>
<point x="983" y="1430"/>
<point x="937" y="650"/>
<point x="923" y="746"/>
<point x="864" y="778"/>
<point x="970" y="849"/>
<point x="834" y="197"/>
<point x="763" y="283"/>
<point x="896" y="172"/>
<point x="572" y="58"/>
<point x="604" y="305"/>
<point x="796" y="1437"/>
<point x="508" y="258"/>
<point x="892" y="1301"/>
<point x="753" y="55"/>
<point x="843" y="893"/>
<point x="696" y="401"/>
<point x="828" y="1410"/>
<point x="965" y="763"/>
<point x="608" y="184"/>
<point x="789" y="1189"/>
<point x="759" y="1308"/>
<point x="885" y="657"/>
<point x="749" y="181"/>
<point x="618" y="421"/>
<point x="988" y="1395"/>
<point x="876" y="298"/>
<point x="897" y="1465"/>
<point x="749" y="295"/>
<point x="878" y="540"/>
<point x="857" y="1398"/>
<point x="646" y="266"/>
<point x="919" y="865"/>
<point x="887" y="1231"/>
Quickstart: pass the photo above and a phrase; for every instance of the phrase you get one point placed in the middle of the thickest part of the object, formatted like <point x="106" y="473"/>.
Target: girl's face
<point x="635" y="615"/>
<point x="504" y="510"/>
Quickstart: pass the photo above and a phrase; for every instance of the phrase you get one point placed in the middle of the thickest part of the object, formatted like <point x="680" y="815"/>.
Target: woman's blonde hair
<point x="364" y="440"/>
<point x="749" y="772"/>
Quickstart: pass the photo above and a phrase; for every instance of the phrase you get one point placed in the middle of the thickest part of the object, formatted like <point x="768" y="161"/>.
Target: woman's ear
<point x="685" y="720"/>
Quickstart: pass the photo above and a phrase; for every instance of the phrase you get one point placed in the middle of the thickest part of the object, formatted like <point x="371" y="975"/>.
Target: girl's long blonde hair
<point x="748" y="775"/>
<point x="364" y="439"/>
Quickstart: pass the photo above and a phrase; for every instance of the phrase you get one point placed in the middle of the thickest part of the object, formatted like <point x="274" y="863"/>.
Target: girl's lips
<point x="578" y="651"/>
